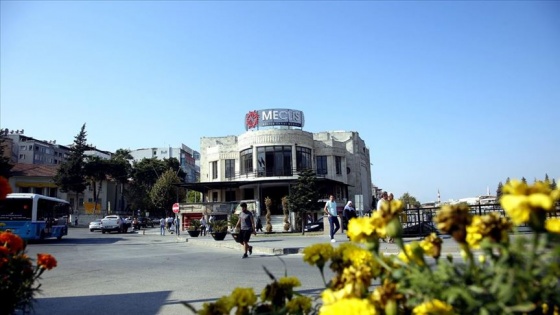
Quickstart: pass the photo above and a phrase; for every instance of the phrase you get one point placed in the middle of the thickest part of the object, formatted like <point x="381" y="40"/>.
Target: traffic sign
<point x="176" y="208"/>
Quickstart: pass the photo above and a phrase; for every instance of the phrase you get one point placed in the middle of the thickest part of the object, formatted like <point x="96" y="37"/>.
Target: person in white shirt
<point x="332" y="213"/>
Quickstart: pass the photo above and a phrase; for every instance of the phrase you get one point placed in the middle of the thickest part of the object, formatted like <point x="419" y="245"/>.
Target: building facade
<point x="28" y="150"/>
<point x="265" y="163"/>
<point x="188" y="158"/>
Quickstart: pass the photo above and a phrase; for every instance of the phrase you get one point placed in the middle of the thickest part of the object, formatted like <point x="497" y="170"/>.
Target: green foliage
<point x="233" y="219"/>
<point x="219" y="226"/>
<point x="193" y="196"/>
<point x="408" y="199"/>
<point x="303" y="195"/>
<point x="194" y="225"/>
<point x="499" y="191"/>
<point x="144" y="174"/>
<point x="165" y="193"/>
<point x="71" y="176"/>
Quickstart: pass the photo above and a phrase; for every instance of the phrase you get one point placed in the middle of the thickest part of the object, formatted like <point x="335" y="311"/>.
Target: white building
<point x="264" y="163"/>
<point x="188" y="158"/>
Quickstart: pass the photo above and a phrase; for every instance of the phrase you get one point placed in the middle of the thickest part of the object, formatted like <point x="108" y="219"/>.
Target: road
<point x="151" y="274"/>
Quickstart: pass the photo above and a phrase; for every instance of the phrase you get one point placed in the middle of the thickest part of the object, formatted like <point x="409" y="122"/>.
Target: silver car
<point x="95" y="225"/>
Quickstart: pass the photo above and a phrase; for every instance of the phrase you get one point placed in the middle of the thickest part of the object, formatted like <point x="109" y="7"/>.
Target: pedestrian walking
<point x="259" y="226"/>
<point x="332" y="213"/>
<point x="246" y="226"/>
<point x="203" y="226"/>
<point x="169" y="221"/>
<point x="209" y="225"/>
<point x="348" y="213"/>
<point x="389" y="199"/>
<point x="162" y="226"/>
<point x="177" y="226"/>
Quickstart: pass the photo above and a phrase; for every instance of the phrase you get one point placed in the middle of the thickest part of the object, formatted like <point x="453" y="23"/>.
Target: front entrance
<point x="275" y="194"/>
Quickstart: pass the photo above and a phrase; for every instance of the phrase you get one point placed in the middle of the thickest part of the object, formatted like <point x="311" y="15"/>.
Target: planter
<point x="194" y="233"/>
<point x="219" y="236"/>
<point x="236" y="237"/>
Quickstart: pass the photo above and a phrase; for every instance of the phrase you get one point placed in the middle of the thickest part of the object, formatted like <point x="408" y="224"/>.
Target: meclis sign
<point x="274" y="117"/>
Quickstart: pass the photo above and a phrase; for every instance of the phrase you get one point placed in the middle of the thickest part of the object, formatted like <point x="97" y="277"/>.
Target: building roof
<point x="34" y="170"/>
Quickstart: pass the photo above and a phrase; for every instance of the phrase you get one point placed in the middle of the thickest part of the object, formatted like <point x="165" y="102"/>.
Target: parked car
<point x="95" y="225"/>
<point x="114" y="223"/>
<point x="316" y="225"/>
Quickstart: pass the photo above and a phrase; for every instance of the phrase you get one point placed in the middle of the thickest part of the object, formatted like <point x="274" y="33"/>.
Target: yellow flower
<point x="515" y="187"/>
<point x="431" y="245"/>
<point x="414" y="252"/>
<point x="389" y="210"/>
<point x="527" y="204"/>
<point x="352" y="306"/>
<point x="330" y="296"/>
<point x="385" y="293"/>
<point x="243" y="297"/>
<point x="289" y="282"/>
<point x="366" y="229"/>
<point x="222" y="306"/>
<point x="491" y="226"/>
<point x="317" y="254"/>
<point x="517" y="207"/>
<point x="453" y="220"/>
<point x="552" y="225"/>
<point x="299" y="304"/>
<point x="474" y="232"/>
<point x="433" y="307"/>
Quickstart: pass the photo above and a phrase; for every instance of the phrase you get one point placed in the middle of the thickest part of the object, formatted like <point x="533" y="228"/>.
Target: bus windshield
<point x="16" y="209"/>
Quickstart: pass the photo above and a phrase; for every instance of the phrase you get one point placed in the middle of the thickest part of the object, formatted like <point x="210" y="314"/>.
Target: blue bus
<point x="34" y="216"/>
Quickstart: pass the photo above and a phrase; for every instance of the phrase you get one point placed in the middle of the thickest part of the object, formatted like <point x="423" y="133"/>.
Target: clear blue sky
<point x="448" y="95"/>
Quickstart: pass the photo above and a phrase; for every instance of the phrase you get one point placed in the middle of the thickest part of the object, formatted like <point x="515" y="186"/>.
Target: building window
<point x="230" y="195"/>
<point x="274" y="160"/>
<point x="22" y="156"/>
<point x="214" y="169"/>
<point x="322" y="165"/>
<point x="214" y="196"/>
<point x="338" y="164"/>
<point x="246" y="161"/>
<point x="303" y="158"/>
<point x="230" y="168"/>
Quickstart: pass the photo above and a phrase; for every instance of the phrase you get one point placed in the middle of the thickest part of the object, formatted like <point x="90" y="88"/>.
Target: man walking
<point x="246" y="223"/>
<point x="162" y="226"/>
<point x="332" y="213"/>
<point x="177" y="226"/>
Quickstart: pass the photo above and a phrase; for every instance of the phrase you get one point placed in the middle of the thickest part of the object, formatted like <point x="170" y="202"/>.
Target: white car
<point x="95" y="225"/>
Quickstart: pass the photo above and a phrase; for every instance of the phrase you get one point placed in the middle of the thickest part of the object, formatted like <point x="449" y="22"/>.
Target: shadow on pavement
<point x="137" y="303"/>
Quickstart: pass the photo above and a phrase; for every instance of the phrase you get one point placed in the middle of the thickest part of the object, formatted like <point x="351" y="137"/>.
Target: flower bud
<point x="394" y="228"/>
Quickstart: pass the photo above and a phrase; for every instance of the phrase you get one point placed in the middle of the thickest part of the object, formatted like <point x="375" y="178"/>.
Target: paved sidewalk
<point x="291" y="243"/>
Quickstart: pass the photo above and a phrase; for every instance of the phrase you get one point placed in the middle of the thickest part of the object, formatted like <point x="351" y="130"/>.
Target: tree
<point x="303" y="196"/>
<point x="165" y="191"/>
<point x="96" y="170"/>
<point x="70" y="177"/>
<point x="144" y="175"/>
<point x="5" y="163"/>
<point x="409" y="200"/>
<point x="499" y="191"/>
<point x="120" y="170"/>
<point x="193" y="196"/>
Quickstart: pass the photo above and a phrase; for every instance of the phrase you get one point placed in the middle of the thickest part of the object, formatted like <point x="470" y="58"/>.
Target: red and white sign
<point x="176" y="208"/>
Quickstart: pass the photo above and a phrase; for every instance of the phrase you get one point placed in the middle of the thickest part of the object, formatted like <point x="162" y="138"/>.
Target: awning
<point x="204" y="187"/>
<point x="36" y="184"/>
